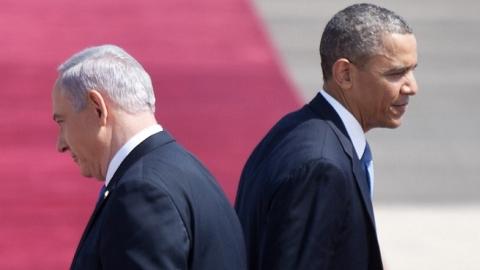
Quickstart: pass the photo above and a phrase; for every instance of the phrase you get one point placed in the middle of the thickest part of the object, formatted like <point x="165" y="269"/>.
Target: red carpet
<point x="218" y="84"/>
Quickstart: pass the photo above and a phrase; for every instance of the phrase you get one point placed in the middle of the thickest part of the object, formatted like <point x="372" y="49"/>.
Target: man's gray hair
<point x="111" y="71"/>
<point x="356" y="33"/>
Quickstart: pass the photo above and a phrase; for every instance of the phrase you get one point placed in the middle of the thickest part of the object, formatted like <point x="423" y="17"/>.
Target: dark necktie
<point x="367" y="167"/>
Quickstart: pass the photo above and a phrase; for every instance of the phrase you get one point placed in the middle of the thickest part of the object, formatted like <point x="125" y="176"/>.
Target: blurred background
<point x="224" y="71"/>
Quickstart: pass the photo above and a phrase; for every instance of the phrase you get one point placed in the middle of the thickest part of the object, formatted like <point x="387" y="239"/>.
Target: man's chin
<point x="100" y="178"/>
<point x="86" y="174"/>
<point x="394" y="123"/>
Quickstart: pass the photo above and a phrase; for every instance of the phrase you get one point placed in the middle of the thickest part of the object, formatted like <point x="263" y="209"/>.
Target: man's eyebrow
<point x="401" y="68"/>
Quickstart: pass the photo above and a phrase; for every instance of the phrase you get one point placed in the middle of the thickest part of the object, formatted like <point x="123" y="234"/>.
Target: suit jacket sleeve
<point x="305" y="218"/>
<point x="143" y="230"/>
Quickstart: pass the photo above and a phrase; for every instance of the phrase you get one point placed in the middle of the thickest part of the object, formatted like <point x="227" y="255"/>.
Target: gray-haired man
<point x="160" y="208"/>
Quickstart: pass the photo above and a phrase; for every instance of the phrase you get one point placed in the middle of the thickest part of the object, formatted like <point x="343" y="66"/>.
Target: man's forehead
<point x="57" y="96"/>
<point x="392" y="42"/>
<point x="60" y="103"/>
<point x="397" y="50"/>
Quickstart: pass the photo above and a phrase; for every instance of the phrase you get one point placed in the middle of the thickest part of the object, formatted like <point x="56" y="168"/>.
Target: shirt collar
<point x="354" y="130"/>
<point x="127" y="148"/>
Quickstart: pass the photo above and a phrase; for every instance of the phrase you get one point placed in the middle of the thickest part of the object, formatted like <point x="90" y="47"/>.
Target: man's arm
<point x="305" y="218"/>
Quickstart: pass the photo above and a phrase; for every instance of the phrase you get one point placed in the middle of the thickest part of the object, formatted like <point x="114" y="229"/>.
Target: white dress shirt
<point x="127" y="148"/>
<point x="354" y="130"/>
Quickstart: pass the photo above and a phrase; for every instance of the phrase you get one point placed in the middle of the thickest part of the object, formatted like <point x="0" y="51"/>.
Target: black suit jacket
<point x="303" y="200"/>
<point x="164" y="211"/>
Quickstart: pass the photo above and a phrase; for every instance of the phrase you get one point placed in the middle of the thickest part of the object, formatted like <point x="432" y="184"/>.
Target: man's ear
<point x="341" y="73"/>
<point x="98" y="103"/>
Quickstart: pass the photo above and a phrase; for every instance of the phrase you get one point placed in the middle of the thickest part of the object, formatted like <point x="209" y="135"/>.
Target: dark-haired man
<point x="304" y="198"/>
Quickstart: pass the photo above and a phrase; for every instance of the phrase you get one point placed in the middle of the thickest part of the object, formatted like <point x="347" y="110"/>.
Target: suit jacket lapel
<point x="97" y="209"/>
<point x="321" y="107"/>
<point x="146" y="146"/>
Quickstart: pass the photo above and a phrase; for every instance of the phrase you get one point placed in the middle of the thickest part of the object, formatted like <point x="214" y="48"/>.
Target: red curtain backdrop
<point x="218" y="83"/>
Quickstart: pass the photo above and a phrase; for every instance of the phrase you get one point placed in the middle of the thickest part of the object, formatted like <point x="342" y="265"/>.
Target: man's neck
<point x="339" y="95"/>
<point x="123" y="127"/>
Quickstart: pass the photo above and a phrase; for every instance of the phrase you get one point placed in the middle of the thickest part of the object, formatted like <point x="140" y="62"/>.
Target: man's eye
<point x="398" y="72"/>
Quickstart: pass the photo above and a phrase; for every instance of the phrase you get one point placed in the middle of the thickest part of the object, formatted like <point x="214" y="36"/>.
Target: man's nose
<point x="410" y="87"/>
<point x="61" y="145"/>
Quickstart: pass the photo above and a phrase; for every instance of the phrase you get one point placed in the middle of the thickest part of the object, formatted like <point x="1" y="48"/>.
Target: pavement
<point x="427" y="196"/>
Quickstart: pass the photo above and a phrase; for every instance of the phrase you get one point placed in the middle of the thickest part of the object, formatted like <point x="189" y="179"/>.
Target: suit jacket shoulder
<point x="162" y="209"/>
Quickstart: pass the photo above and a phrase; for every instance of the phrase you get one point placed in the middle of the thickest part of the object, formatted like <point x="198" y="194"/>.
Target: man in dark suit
<point x="159" y="208"/>
<point x="304" y="198"/>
